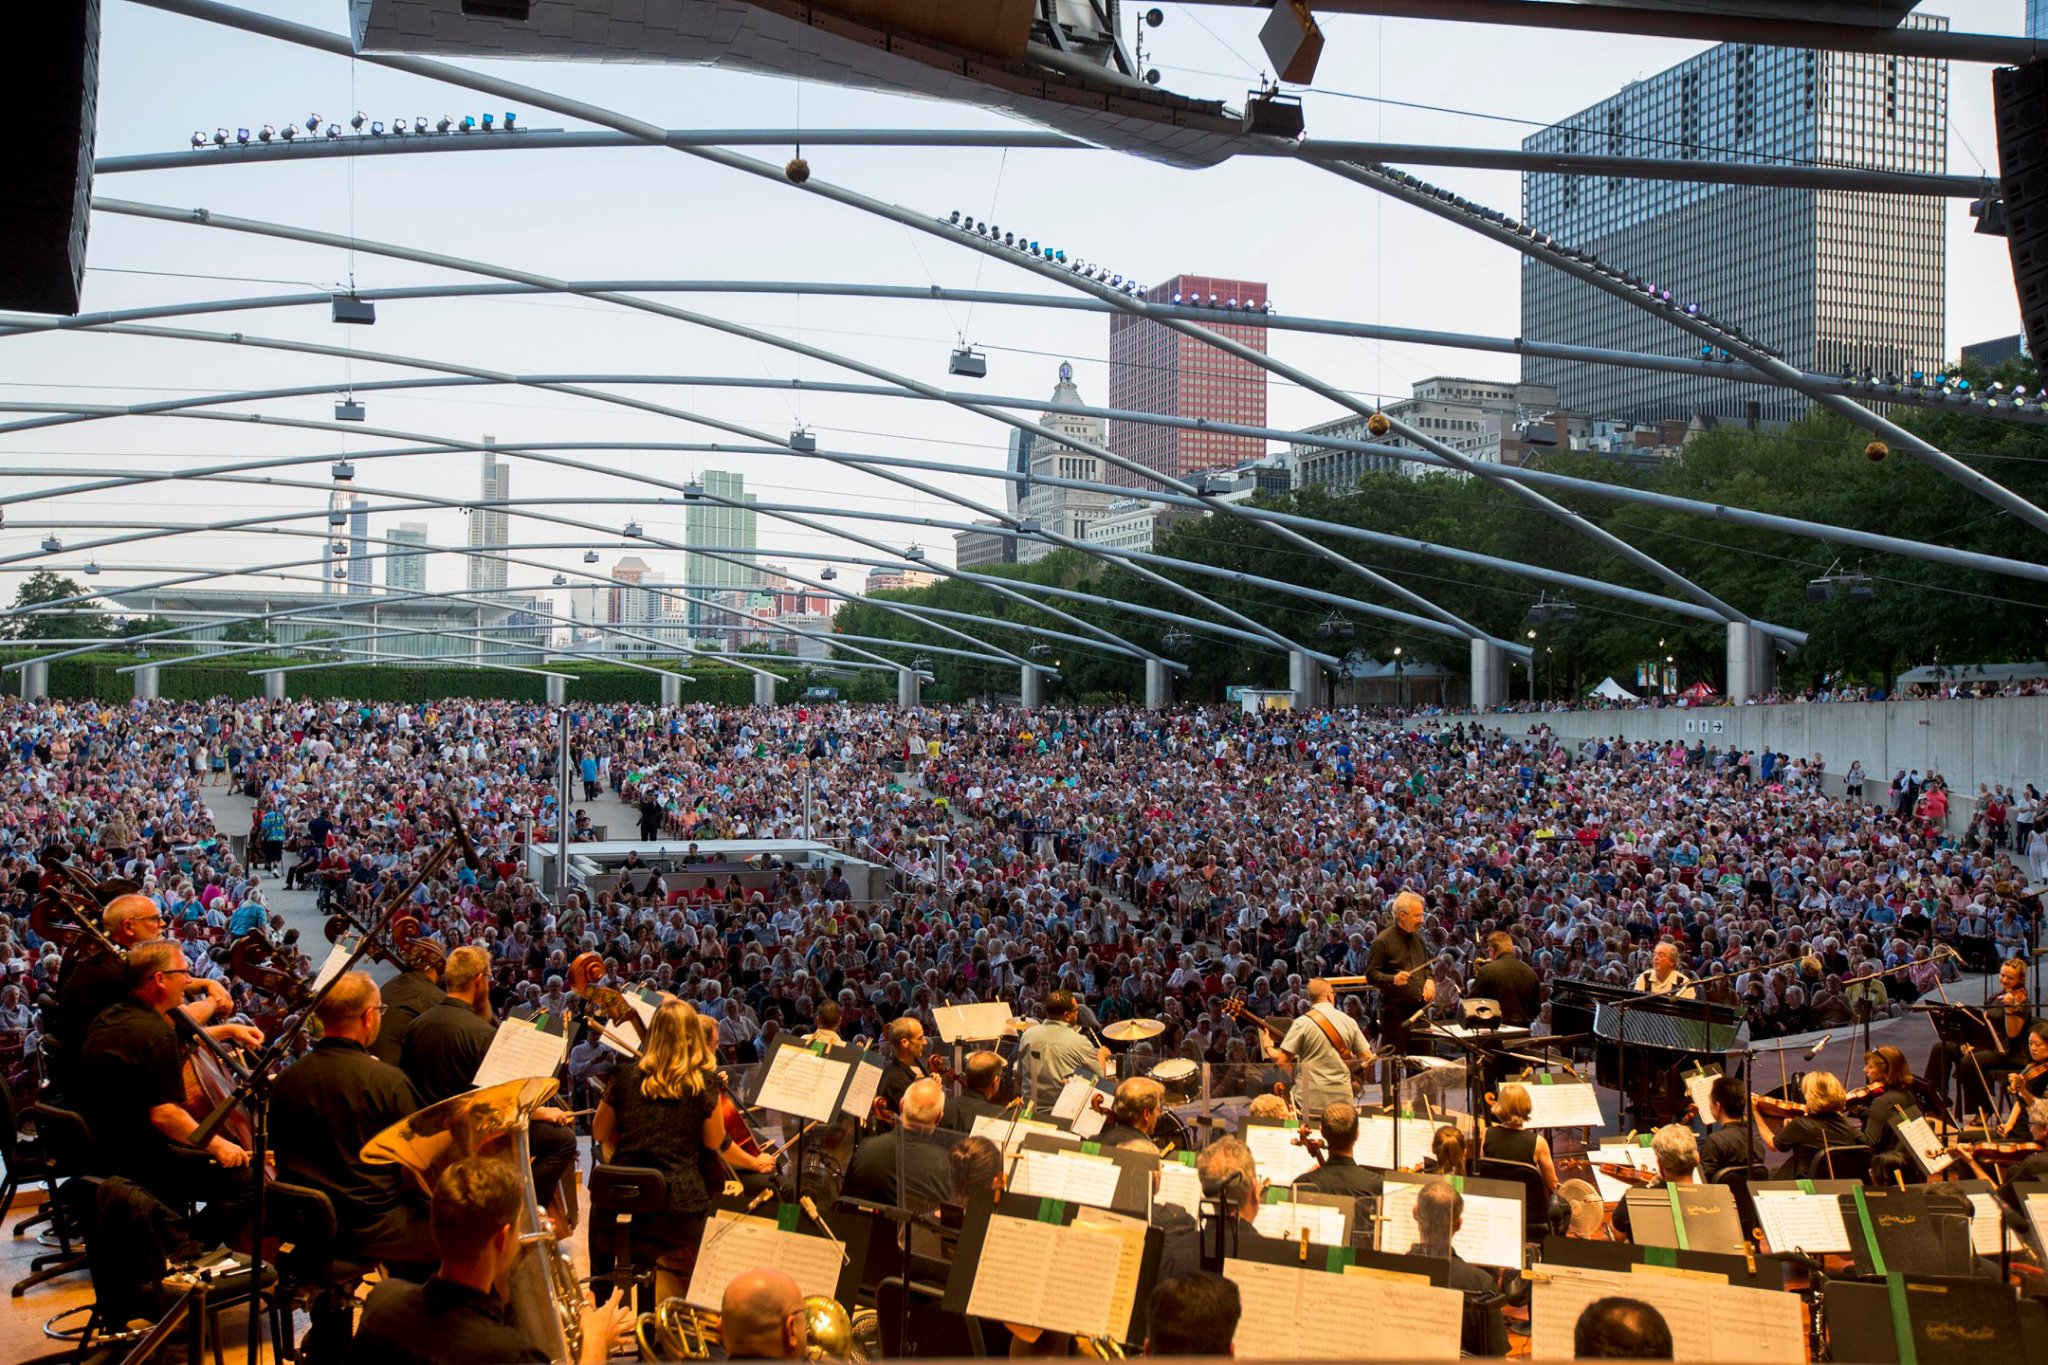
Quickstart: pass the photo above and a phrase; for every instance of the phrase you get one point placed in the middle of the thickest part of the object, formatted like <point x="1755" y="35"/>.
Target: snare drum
<point x="1181" y="1077"/>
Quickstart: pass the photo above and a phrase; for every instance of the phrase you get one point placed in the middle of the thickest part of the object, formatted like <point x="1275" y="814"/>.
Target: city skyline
<point x="1153" y="368"/>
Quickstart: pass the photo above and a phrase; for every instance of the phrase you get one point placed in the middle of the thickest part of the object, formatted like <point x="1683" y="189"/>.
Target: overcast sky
<point x="1327" y="248"/>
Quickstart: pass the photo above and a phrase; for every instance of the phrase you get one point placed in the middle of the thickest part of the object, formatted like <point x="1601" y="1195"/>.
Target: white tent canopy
<point x="1612" y="690"/>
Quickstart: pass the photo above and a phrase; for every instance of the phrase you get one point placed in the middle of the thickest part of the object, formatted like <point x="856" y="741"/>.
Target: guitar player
<point x="1327" y="1050"/>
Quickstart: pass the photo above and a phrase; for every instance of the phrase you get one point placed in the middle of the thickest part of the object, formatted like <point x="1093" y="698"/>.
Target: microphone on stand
<point x="1814" y="1051"/>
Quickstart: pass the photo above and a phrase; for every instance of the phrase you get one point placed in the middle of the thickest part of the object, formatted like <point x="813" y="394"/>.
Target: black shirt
<point x="928" y="1173"/>
<point x="98" y="982"/>
<point x="1877" y="1122"/>
<point x="967" y="1106"/>
<point x="406" y="996"/>
<point x="129" y="1065"/>
<point x="1728" y="1146"/>
<point x="1117" y="1134"/>
<point x="1514" y="984"/>
<point x="1395" y="951"/>
<point x="897" y="1078"/>
<point x="437" y="1323"/>
<point x="667" y="1135"/>
<point x="323" y="1108"/>
<point x="443" y="1049"/>
<point x="1806" y="1135"/>
<point x="1339" y="1174"/>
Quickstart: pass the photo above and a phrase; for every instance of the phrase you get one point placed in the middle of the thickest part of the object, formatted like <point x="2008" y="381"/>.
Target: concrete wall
<point x="1998" y="739"/>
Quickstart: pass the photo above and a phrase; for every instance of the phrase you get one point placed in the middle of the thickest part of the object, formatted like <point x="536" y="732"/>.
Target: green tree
<point x="80" y="621"/>
<point x="248" y="633"/>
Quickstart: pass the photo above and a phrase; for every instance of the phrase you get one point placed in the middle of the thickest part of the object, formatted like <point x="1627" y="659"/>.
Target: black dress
<point x="667" y="1135"/>
<point x="1510" y="1144"/>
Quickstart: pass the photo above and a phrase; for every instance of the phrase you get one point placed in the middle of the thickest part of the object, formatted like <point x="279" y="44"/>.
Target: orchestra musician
<point x="1678" y="1156"/>
<point x="1230" y="1176"/>
<point x="407" y="996"/>
<point x="1663" y="976"/>
<point x="1439" y="1213"/>
<point x="1195" y="1314"/>
<point x="131" y="1092"/>
<point x="1508" y="1140"/>
<point x="92" y="980"/>
<point x="761" y="1317"/>
<point x="445" y="1046"/>
<point x="1731" y="1143"/>
<point x="1512" y="982"/>
<point x="827" y="1031"/>
<point x="458" y="1316"/>
<point x="1885" y="1075"/>
<point x="1322" y="1074"/>
<point x="905" y="1037"/>
<point x="2030" y="1081"/>
<point x="1134" y="1113"/>
<point x="2035" y="1165"/>
<point x="1051" y="1053"/>
<point x="1398" y="967"/>
<point x="661" y="1112"/>
<point x="1340" y="1172"/>
<point x="1808" y="1137"/>
<point x="925" y="1160"/>
<point x="1983" y="1072"/>
<point x="981" y="1075"/>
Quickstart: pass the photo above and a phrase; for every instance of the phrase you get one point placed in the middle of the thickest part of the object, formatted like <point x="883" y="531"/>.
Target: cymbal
<point x="1019" y="1025"/>
<point x="458" y="1126"/>
<point x="1132" y="1030"/>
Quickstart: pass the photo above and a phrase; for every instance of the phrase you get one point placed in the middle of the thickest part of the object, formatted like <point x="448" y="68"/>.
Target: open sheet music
<point x="1009" y="1134"/>
<point x="1294" y="1314"/>
<point x="1613" y="1189"/>
<point x="861" y="1088"/>
<point x="1927" y="1149"/>
<point x="1376" y="1141"/>
<point x="1281" y="1160"/>
<point x="971" y="1023"/>
<point x="1710" y="1321"/>
<point x="801" y="1082"/>
<point x="1179" y="1186"/>
<point x="1986" y="1224"/>
<point x="1571" y="1104"/>
<point x="1491" y="1233"/>
<point x="520" y="1051"/>
<point x="1072" y="1175"/>
<point x="1811" y="1223"/>
<point x="620" y="1037"/>
<point x="1287" y="1220"/>
<point x="734" y="1244"/>
<point x="1061" y="1279"/>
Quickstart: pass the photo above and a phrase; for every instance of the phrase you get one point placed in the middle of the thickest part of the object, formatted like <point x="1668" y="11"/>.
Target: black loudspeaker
<point x="49" y="86"/>
<point x="2021" y="98"/>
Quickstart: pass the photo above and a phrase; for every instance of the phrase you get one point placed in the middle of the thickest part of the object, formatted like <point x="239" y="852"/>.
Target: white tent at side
<point x="1612" y="690"/>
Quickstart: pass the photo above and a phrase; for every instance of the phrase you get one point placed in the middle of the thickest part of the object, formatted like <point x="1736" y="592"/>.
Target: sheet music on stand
<point x="1699" y="1087"/>
<point x="862" y="1084"/>
<point x="619" y="1037"/>
<point x="1376" y="1140"/>
<point x="735" y="1243"/>
<point x="1291" y="1313"/>
<point x="1048" y="1275"/>
<point x="801" y="1082"/>
<point x="1491" y="1233"/>
<point x="337" y="956"/>
<point x="1796" y="1218"/>
<point x="1280" y="1158"/>
<point x="521" y="1049"/>
<point x="1179" y="1185"/>
<point x="971" y="1023"/>
<point x="1632" y="1155"/>
<point x="1710" y="1321"/>
<point x="2034" y="1199"/>
<point x="1070" y="1175"/>
<point x="1929" y="1152"/>
<point x="1562" y="1104"/>
<point x="1985" y="1221"/>
<point x="1009" y="1134"/>
<point x="1287" y="1213"/>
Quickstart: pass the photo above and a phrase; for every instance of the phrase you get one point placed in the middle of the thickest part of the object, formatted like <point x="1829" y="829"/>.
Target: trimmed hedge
<point x="93" y="677"/>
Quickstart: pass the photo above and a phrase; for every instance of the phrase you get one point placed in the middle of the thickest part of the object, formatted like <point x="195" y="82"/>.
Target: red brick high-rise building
<point x="1153" y="368"/>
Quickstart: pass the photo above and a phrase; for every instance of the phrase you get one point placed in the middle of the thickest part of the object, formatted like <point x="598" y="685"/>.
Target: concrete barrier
<point x="1992" y="740"/>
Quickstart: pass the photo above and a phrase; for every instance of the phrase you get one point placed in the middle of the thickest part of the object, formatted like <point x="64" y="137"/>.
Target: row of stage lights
<point x="364" y="126"/>
<point x="1591" y="260"/>
<point x="1128" y="284"/>
<point x="1946" y="388"/>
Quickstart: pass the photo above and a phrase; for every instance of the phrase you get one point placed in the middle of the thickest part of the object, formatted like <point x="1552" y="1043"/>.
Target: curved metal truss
<point x="1689" y="598"/>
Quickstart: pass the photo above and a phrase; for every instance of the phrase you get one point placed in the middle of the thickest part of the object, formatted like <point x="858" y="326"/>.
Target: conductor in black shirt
<point x="1509" y="980"/>
<point x="1399" y="969"/>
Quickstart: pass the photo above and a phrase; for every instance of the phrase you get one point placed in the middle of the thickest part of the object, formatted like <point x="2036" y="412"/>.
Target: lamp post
<point x="1400" y="678"/>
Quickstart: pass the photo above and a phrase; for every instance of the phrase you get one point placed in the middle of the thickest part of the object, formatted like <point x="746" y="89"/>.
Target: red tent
<point x="1699" y="691"/>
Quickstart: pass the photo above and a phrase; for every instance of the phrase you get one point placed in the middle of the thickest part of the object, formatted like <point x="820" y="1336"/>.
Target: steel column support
<point x="764" y="689"/>
<point x="558" y="689"/>
<point x="1031" y="687"/>
<point x="909" y="687"/>
<point x="1490" y="675"/>
<point x="1158" y="687"/>
<point x="146" y="683"/>
<point x="35" y="681"/>
<point x="276" y="686"/>
<point x="1305" y="676"/>
<point x="672" y="689"/>
<point x="1752" y="663"/>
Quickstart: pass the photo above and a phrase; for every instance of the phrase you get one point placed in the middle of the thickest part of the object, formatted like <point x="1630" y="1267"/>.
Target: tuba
<point x="546" y="1300"/>
<point x="675" y="1331"/>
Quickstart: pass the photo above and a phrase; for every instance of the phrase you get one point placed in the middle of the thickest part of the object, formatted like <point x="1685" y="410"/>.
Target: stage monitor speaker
<point x="2020" y="95"/>
<point x="49" y="85"/>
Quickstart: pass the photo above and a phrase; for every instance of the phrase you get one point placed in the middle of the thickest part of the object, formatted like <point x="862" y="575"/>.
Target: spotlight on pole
<point x="347" y="308"/>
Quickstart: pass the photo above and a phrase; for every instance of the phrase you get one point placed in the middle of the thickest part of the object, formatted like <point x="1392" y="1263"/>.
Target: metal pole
<point x="562" y="815"/>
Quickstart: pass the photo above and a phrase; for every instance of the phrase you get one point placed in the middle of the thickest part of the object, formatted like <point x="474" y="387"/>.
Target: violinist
<point x="661" y="1111"/>
<point x="980" y="1077"/>
<point x="1885" y="1076"/>
<point x="1508" y="1140"/>
<point x="131" y="1090"/>
<point x="1823" y="1127"/>
<point x="1134" y="1113"/>
<point x="923" y="1158"/>
<point x="1678" y="1156"/>
<point x="2035" y="1166"/>
<point x="2030" y="1082"/>
<point x="1731" y="1143"/>
<point x="1340" y="1172"/>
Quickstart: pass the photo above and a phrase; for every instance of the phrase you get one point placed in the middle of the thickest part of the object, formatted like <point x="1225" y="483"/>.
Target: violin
<point x="1778" y="1108"/>
<point x="1314" y="1144"/>
<point x="1628" y="1175"/>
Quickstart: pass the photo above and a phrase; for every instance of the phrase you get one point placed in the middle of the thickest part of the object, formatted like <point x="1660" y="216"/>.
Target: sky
<point x="1327" y="248"/>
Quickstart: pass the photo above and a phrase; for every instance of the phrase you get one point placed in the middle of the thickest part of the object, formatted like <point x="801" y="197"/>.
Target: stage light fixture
<point x="359" y="120"/>
<point x="955" y="219"/>
<point x="377" y="128"/>
<point x="400" y="126"/>
<point x="241" y="137"/>
<point x="803" y="440"/>
<point x="633" y="531"/>
<point x="347" y="308"/>
<point x="312" y="123"/>
<point x="967" y="363"/>
<point x="444" y="124"/>
<point x="349" y="410"/>
<point x="336" y="517"/>
<point x="914" y="552"/>
<point x="828" y="573"/>
<point x="52" y="545"/>
<point x="333" y="131"/>
<point x="198" y="139"/>
<point x="291" y="131"/>
<point x="266" y="132"/>
<point x="92" y="566"/>
<point x="419" y="125"/>
<point x="510" y="118"/>
<point x="590" y="556"/>
<point x="561" y="580"/>
<point x="342" y="471"/>
<point x="490" y="121"/>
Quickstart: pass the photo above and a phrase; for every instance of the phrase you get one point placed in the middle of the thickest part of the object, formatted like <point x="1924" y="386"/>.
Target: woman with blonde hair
<point x="1808" y="1137"/>
<point x="1509" y="1140"/>
<point x="661" y="1111"/>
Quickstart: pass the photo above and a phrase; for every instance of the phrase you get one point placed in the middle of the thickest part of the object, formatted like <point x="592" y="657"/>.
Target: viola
<point x="1779" y="1108"/>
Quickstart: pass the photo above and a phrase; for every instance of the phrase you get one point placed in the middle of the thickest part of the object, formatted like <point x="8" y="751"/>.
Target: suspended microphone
<point x="1814" y="1051"/>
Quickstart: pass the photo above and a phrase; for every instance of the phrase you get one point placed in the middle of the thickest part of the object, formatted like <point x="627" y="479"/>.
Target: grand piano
<point x="1642" y="1042"/>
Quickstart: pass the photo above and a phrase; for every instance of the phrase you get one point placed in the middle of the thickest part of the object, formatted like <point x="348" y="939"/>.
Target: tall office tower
<point x="345" y="555"/>
<point x="489" y="526"/>
<point x="1153" y="368"/>
<point x="714" y="521"/>
<point x="2037" y="18"/>
<point x="1833" y="280"/>
<point x="405" y="570"/>
<point x="1059" y="510"/>
<point x="360" y="580"/>
<point x="1019" y="463"/>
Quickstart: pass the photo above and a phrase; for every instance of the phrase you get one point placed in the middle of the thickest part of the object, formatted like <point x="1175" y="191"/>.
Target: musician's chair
<point x="617" y="1194"/>
<point x="302" y="1221"/>
<point x="66" y="1144"/>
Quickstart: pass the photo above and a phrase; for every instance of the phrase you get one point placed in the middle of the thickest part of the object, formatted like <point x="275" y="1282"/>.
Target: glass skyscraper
<point x="720" y="524"/>
<point x="1832" y="280"/>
